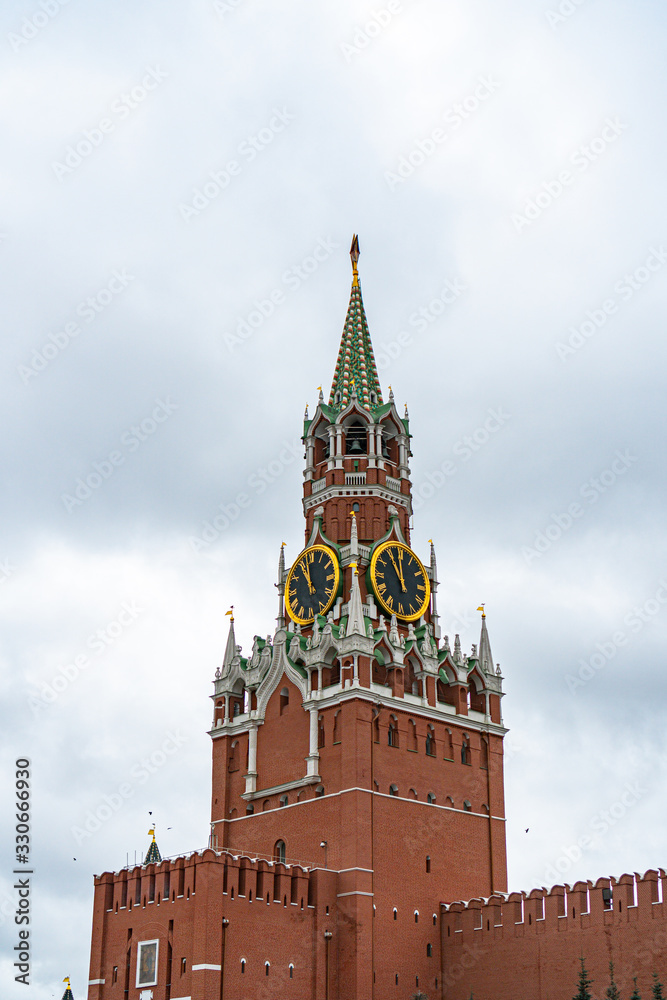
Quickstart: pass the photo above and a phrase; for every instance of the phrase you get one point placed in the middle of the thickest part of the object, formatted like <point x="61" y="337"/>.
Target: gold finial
<point x="151" y="832"/>
<point x="231" y="610"/>
<point x="282" y="545"/>
<point x="66" y="980"/>
<point x="354" y="254"/>
<point x="430" y="541"/>
<point x="481" y="608"/>
<point x="354" y="567"/>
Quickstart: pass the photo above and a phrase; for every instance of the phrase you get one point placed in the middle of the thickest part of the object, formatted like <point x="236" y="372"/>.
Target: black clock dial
<point x="312" y="584"/>
<point x="399" y="581"/>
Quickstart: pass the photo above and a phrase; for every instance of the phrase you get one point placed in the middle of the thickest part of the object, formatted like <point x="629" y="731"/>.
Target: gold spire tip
<point x="354" y="254"/>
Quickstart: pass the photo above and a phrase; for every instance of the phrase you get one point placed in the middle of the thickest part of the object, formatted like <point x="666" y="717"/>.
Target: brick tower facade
<point x="357" y="756"/>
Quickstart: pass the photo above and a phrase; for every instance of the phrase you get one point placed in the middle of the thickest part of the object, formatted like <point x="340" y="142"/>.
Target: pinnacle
<point x="356" y="372"/>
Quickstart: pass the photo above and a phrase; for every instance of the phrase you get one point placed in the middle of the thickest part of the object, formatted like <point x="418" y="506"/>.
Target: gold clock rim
<point x="334" y="558"/>
<point x="427" y="597"/>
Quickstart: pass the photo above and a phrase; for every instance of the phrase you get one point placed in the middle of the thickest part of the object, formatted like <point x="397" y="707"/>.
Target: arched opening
<point x="267" y="966"/>
<point x="484" y="754"/>
<point x="392" y="732"/>
<point x="376" y="730"/>
<point x="395" y="914"/>
<point x="320" y="731"/>
<point x="279" y="851"/>
<point x="237" y="709"/>
<point x="416" y="916"/>
<point x="243" y="966"/>
<point x="449" y="745"/>
<point x="283" y="800"/>
<point x="266" y="804"/>
<point x="467" y="806"/>
<point x="356" y="439"/>
<point x="336" y="727"/>
<point x="319" y="791"/>
<point x="284" y="700"/>
<point x="233" y="756"/>
<point x="428" y="864"/>
<point x="393" y="789"/>
<point x="429" y="951"/>
<point x="430" y="742"/>
<point x="412" y="735"/>
<point x="430" y="798"/>
<point x="465" y="751"/>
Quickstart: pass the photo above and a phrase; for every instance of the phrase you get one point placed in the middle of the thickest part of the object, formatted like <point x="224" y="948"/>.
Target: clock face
<point x="399" y="581"/>
<point x="312" y="584"/>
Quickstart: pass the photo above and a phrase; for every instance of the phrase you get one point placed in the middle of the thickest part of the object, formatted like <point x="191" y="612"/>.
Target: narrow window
<point x="291" y="971"/>
<point x="284" y="700"/>
<point x="249" y="809"/>
<point x="267" y="966"/>
<point x="429" y="951"/>
<point x="184" y="966"/>
<point x="243" y="966"/>
<point x="416" y="916"/>
<point x="435" y="919"/>
<point x="279" y="851"/>
<point x="397" y="978"/>
<point x="465" y="751"/>
<point x="395" y="913"/>
<point x="319" y="791"/>
<point x="115" y="974"/>
<point x="449" y="746"/>
<point x="430" y="742"/>
<point x="466" y="805"/>
<point x="412" y="735"/>
<point x="428" y="864"/>
<point x="233" y="757"/>
<point x="392" y="732"/>
<point x="430" y="798"/>
<point x="336" y="728"/>
<point x="320" y="731"/>
<point x="376" y="730"/>
<point x="393" y="790"/>
<point x="283" y="800"/>
<point x="484" y="754"/>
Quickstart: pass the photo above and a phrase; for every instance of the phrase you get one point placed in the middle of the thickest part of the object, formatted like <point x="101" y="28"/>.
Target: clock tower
<point x="356" y="739"/>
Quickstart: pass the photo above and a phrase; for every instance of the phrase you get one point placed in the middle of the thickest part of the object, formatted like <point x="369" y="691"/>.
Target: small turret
<point x="67" y="995"/>
<point x="355" y="621"/>
<point x="153" y="855"/>
<point x="485" y="655"/>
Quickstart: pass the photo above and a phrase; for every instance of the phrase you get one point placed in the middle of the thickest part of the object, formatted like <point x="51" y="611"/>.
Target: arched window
<point x="430" y="741"/>
<point x="428" y="864"/>
<point x="319" y="791"/>
<point x="465" y="750"/>
<point x="466" y="805"/>
<point x="449" y="746"/>
<point x="412" y="735"/>
<point x="416" y="916"/>
<point x="266" y="804"/>
<point x="249" y="809"/>
<point x="243" y="966"/>
<point x="233" y="756"/>
<point x="435" y="919"/>
<point x="413" y="793"/>
<point x="336" y="728"/>
<point x="376" y="729"/>
<point x="284" y="700"/>
<point x="267" y="966"/>
<point x="283" y="800"/>
<point x="237" y="709"/>
<point x="392" y="733"/>
<point x="429" y="951"/>
<point x="395" y="914"/>
<point x="320" y="731"/>
<point x="356" y="439"/>
<point x="291" y="971"/>
<point x="430" y="798"/>
<point x="484" y="753"/>
<point x="393" y="789"/>
<point x="279" y="851"/>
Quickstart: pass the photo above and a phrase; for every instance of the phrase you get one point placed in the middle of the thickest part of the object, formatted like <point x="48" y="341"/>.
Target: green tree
<point x="583" y="993"/>
<point x="656" y="989"/>
<point x="636" y="995"/>
<point x="612" y="990"/>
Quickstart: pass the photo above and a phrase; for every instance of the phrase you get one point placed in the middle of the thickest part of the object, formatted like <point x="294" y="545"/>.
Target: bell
<point x="356" y="447"/>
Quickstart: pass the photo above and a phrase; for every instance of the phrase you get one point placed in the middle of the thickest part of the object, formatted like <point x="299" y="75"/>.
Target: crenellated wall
<point x="527" y="946"/>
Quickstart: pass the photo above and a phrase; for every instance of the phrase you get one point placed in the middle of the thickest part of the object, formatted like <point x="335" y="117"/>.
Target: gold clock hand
<point x="399" y="574"/>
<point x="306" y="573"/>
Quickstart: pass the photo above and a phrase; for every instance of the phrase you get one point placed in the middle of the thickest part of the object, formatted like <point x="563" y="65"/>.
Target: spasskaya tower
<point x="357" y="755"/>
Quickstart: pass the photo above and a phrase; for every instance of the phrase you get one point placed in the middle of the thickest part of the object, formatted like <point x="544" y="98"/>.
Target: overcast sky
<point x="179" y="186"/>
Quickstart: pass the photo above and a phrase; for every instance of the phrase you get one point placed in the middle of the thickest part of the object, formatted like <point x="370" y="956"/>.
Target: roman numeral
<point x="331" y="576"/>
<point x="382" y="587"/>
<point x="301" y="612"/>
<point x="420" y="586"/>
<point x="389" y="601"/>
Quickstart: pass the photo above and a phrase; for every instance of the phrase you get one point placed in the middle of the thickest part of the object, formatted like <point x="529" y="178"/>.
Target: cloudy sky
<point x="179" y="186"/>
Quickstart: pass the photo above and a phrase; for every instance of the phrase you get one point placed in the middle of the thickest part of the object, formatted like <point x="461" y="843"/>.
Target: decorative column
<point x="251" y="776"/>
<point x="313" y="758"/>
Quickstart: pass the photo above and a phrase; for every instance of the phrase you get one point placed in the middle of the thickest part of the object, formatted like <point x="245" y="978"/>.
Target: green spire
<point x="355" y="367"/>
<point x="153" y="853"/>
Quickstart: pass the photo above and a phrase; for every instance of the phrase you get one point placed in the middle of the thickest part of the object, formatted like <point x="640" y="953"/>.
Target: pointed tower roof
<point x="485" y="654"/>
<point x="230" y="648"/>
<point x="67" y="995"/>
<point x="153" y="852"/>
<point x="355" y="368"/>
<point x="355" y="621"/>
